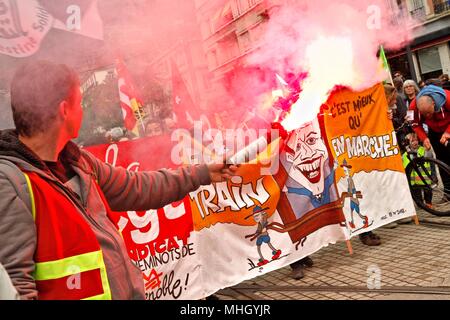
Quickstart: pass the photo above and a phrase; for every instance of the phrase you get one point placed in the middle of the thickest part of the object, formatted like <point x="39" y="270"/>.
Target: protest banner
<point x="338" y="176"/>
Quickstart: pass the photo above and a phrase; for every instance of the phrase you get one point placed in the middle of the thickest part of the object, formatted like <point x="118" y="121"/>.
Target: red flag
<point x="183" y="105"/>
<point x="129" y="101"/>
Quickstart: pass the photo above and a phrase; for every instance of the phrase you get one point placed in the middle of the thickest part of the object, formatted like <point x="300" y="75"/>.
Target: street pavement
<point x="413" y="262"/>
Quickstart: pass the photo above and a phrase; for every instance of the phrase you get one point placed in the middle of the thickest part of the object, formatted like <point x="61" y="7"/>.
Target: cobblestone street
<point x="414" y="263"/>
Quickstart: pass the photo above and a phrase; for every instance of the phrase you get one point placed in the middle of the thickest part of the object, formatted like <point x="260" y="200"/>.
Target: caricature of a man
<point x="311" y="179"/>
<point x="353" y="195"/>
<point x="262" y="235"/>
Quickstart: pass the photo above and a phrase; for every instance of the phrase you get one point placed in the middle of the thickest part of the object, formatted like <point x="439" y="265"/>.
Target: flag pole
<point x="385" y="63"/>
<point x="140" y="117"/>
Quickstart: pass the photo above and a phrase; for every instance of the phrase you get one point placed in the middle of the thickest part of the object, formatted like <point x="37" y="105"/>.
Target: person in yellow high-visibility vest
<point x="415" y="179"/>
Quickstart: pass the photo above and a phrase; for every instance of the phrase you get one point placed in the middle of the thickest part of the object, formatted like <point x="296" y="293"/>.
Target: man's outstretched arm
<point x="126" y="190"/>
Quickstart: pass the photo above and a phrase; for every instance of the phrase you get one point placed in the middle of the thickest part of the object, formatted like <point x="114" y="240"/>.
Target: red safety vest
<point x="68" y="259"/>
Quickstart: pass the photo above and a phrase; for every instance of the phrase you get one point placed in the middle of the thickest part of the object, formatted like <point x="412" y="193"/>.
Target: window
<point x="227" y="13"/>
<point x="222" y="16"/>
<point x="257" y="32"/>
<point x="245" y="41"/>
<point x="417" y="9"/>
<point x="229" y="48"/>
<point x="429" y="61"/>
<point x="416" y="4"/>
<point x="441" y="6"/>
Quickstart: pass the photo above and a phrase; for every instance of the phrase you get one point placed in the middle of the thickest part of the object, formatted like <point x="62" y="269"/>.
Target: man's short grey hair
<point x="428" y="99"/>
<point x="37" y="89"/>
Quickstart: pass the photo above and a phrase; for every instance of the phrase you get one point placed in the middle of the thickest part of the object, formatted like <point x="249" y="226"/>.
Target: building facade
<point x="428" y="56"/>
<point x="230" y="30"/>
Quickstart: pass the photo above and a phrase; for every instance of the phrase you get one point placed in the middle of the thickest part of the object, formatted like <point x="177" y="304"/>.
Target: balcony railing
<point x="441" y="6"/>
<point x="418" y="13"/>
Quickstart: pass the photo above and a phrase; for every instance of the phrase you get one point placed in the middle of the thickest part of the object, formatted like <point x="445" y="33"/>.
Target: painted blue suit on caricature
<point x="315" y="201"/>
<point x="302" y="200"/>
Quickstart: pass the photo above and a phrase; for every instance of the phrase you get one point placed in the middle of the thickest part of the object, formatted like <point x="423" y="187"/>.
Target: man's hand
<point x="445" y="138"/>
<point x="427" y="144"/>
<point x="221" y="172"/>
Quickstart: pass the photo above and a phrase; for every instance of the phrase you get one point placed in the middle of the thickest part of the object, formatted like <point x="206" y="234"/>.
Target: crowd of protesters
<point x="430" y="106"/>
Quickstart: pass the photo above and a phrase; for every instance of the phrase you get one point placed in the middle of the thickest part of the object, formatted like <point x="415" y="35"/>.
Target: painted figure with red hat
<point x="262" y="235"/>
<point x="354" y="196"/>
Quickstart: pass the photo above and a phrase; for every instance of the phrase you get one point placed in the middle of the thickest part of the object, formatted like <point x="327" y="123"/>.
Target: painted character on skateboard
<point x="262" y="235"/>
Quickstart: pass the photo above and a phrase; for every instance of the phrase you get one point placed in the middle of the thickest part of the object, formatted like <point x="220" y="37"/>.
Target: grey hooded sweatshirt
<point x="123" y="190"/>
